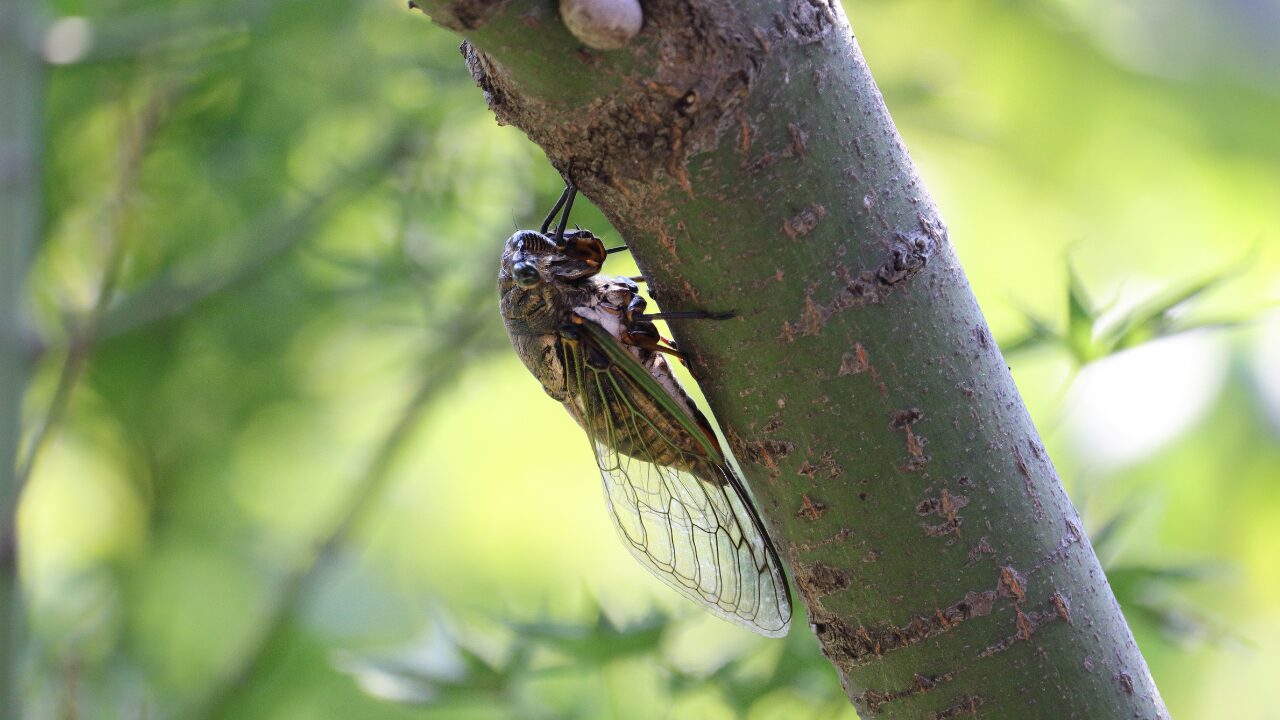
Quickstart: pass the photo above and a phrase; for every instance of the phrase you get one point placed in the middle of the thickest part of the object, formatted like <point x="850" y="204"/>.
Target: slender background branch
<point x="440" y="369"/>
<point x="83" y="330"/>
<point x="21" y="116"/>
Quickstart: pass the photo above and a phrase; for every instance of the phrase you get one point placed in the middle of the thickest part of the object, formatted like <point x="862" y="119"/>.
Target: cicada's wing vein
<point x="683" y="514"/>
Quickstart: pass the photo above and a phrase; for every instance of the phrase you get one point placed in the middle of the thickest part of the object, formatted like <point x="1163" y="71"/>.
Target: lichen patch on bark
<point x="977" y="551"/>
<point x="840" y="536"/>
<point x="854" y="362"/>
<point x="902" y="419"/>
<point x="767" y="452"/>
<point x="807" y="20"/>
<point x="1073" y="536"/>
<point x="1062" y="606"/>
<point x="1012" y="583"/>
<point x="799" y="138"/>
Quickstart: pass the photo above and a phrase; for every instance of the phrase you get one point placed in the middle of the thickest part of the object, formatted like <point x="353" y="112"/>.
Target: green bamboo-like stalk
<point x="21" y="84"/>
<point x="745" y="154"/>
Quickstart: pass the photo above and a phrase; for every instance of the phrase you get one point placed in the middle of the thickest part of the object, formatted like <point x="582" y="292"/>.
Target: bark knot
<point x="820" y="579"/>
<point x="807" y="20"/>
<point x="909" y="253"/>
<point x="804" y="221"/>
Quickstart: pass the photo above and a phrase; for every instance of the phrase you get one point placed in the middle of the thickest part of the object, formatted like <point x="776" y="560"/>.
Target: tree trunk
<point x="747" y="158"/>
<point x="21" y="116"/>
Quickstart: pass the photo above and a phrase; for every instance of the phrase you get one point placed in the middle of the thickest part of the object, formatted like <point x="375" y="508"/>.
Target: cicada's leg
<point x="570" y="192"/>
<point x="636" y="313"/>
<point x="635" y="310"/>
<point x="685" y="315"/>
<point x="582" y="245"/>
<point x="579" y="244"/>
<point x="645" y="335"/>
<point x="634" y="307"/>
<point x="571" y="337"/>
<point x="555" y="209"/>
<point x="640" y="332"/>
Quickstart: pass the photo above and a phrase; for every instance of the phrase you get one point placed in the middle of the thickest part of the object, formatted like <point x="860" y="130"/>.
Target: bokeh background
<point x="284" y="466"/>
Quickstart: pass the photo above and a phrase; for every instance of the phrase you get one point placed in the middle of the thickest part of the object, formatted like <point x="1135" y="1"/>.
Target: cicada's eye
<point x="526" y="275"/>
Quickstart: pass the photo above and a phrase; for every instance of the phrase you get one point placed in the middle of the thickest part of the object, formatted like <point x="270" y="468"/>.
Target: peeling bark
<point x="746" y="156"/>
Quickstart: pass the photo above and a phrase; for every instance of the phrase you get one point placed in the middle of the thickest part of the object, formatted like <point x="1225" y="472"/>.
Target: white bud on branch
<point x="602" y="24"/>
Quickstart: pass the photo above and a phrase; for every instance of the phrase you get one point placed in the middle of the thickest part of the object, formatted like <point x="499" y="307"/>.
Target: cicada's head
<point x="538" y="278"/>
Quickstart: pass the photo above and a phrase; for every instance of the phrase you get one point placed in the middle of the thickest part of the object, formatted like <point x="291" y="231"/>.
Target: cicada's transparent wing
<point x="679" y="507"/>
<point x="698" y="539"/>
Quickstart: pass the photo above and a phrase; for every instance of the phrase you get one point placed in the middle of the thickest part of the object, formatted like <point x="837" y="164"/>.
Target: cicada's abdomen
<point x="631" y="422"/>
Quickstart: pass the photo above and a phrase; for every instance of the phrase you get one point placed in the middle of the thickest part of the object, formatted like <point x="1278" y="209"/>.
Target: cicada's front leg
<point x="639" y="330"/>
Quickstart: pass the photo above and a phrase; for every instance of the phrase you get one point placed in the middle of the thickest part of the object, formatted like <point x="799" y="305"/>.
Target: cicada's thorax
<point x="604" y="403"/>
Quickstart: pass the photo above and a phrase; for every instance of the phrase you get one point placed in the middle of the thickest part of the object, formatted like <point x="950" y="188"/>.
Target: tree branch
<point x="273" y="234"/>
<point x="440" y="369"/>
<point x="21" y="115"/>
<point x="84" y="331"/>
<point x="745" y="153"/>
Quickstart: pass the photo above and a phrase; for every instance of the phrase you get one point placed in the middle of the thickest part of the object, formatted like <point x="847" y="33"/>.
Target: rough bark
<point x="21" y="76"/>
<point x="747" y="158"/>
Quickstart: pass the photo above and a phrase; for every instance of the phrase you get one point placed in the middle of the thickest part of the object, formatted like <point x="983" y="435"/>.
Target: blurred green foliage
<point x="282" y="465"/>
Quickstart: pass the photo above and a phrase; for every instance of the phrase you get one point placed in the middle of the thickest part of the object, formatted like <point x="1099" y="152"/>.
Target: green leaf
<point x="1081" y="319"/>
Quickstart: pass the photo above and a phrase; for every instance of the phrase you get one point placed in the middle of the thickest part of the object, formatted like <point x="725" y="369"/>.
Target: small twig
<point x="83" y="331"/>
<point x="69" y="702"/>
<point x="275" y="237"/>
<point x="271" y="236"/>
<point x="22" y="85"/>
<point x="442" y="367"/>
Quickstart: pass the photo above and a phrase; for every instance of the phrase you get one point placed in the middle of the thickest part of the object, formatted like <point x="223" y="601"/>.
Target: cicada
<point x="678" y="505"/>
